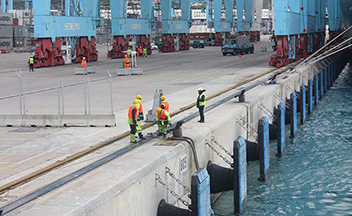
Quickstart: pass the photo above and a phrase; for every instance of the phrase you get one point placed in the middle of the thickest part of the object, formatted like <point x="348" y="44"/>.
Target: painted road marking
<point x="11" y="165"/>
<point x="5" y="156"/>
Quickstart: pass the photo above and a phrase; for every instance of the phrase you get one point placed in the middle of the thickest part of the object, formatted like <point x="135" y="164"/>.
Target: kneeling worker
<point x="132" y="120"/>
<point x="163" y="119"/>
<point x="140" y="116"/>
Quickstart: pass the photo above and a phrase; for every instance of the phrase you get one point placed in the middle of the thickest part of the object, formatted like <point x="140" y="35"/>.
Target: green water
<point x="315" y="176"/>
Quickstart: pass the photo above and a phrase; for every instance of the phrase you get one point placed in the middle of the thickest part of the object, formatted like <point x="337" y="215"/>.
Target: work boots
<point x="140" y="135"/>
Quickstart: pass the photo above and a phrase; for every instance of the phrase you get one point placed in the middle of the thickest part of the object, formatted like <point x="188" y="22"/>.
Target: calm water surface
<point x="315" y="176"/>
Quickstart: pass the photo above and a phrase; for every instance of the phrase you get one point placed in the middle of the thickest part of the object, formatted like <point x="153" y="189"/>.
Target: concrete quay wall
<point x="127" y="185"/>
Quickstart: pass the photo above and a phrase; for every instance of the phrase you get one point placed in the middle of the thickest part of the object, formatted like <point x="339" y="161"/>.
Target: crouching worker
<point x="163" y="119"/>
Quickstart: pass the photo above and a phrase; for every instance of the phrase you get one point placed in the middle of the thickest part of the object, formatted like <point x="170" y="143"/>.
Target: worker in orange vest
<point x="132" y="120"/>
<point x="84" y="62"/>
<point x="164" y="103"/>
<point x="140" y="116"/>
<point x="140" y="50"/>
<point x="127" y="62"/>
<point x="162" y="119"/>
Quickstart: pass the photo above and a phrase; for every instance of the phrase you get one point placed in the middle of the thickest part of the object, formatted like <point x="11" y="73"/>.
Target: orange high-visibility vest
<point x="162" y="115"/>
<point x="84" y="63"/>
<point x="130" y="112"/>
<point x="166" y="105"/>
<point x="140" y="106"/>
<point x="127" y="60"/>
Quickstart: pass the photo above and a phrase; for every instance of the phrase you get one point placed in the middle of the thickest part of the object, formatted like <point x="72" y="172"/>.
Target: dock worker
<point x="165" y="103"/>
<point x="129" y="52"/>
<point x="201" y="102"/>
<point x="31" y="63"/>
<point x="162" y="119"/>
<point x="145" y="54"/>
<point x="84" y="62"/>
<point x="140" y="50"/>
<point x="132" y="120"/>
<point x="127" y="62"/>
<point x="140" y="116"/>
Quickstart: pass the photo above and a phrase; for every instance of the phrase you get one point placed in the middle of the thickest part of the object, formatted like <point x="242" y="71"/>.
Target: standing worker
<point x="127" y="62"/>
<point x="140" y="50"/>
<point x="162" y="119"/>
<point x="145" y="54"/>
<point x="132" y="120"/>
<point x="164" y="103"/>
<point x="129" y="52"/>
<point x="140" y="116"/>
<point x="201" y="102"/>
<point x="31" y="63"/>
<point x="84" y="62"/>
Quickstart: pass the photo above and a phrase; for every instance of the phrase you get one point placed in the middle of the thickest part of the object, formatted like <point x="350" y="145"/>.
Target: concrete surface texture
<point x="178" y="74"/>
<point x="129" y="181"/>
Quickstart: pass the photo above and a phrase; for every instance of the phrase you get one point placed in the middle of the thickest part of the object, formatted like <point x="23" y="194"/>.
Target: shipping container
<point x="19" y="42"/>
<point x="6" y="19"/>
<point x="22" y="31"/>
<point x="6" y="31"/>
<point x="6" y="43"/>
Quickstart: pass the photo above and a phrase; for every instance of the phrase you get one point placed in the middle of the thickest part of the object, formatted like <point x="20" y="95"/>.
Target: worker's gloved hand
<point x="138" y="119"/>
<point x="170" y="123"/>
<point x="141" y="117"/>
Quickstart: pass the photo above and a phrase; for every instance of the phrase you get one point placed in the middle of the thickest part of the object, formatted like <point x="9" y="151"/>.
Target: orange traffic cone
<point x="240" y="56"/>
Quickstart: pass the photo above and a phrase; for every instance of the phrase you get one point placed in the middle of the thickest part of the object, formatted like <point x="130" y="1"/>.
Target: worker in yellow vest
<point x="140" y="116"/>
<point x="31" y="63"/>
<point x="201" y="102"/>
<point x="132" y="120"/>
<point x="162" y="119"/>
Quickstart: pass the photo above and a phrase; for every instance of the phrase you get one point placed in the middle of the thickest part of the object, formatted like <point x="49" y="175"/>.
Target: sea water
<point x="315" y="176"/>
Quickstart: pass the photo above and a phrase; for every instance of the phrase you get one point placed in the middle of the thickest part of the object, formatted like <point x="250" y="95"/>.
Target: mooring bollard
<point x="200" y="193"/>
<point x="281" y="131"/>
<point x="316" y="89"/>
<point x="264" y="149"/>
<point x="310" y="96"/>
<point x="321" y="78"/>
<point x="302" y="105"/>
<point x="293" y="114"/>
<point x="240" y="169"/>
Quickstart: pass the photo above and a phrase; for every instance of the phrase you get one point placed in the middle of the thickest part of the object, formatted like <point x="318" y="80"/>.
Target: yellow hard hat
<point x="162" y="97"/>
<point x="158" y="110"/>
<point x="135" y="102"/>
<point x="139" y="97"/>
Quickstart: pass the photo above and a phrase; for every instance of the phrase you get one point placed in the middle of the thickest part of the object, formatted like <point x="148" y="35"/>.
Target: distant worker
<point x="140" y="50"/>
<point x="129" y="52"/>
<point x="145" y="54"/>
<point x="162" y="119"/>
<point x="127" y="62"/>
<point x="140" y="116"/>
<point x="132" y="120"/>
<point x="164" y="103"/>
<point x="84" y="62"/>
<point x="201" y="102"/>
<point x="31" y="63"/>
<point x="137" y="52"/>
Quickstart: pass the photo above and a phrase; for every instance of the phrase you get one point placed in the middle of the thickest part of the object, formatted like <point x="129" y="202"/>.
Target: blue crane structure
<point x="223" y="27"/>
<point x="6" y="7"/>
<point x="335" y="18"/>
<point x="175" y="28"/>
<point x="299" y="29"/>
<point x="251" y="10"/>
<point x="76" y="27"/>
<point x="126" y="27"/>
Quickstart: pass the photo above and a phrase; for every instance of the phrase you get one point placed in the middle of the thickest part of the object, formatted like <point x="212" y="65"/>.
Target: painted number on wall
<point x="183" y="163"/>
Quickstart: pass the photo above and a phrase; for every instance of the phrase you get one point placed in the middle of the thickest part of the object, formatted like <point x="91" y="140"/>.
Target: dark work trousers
<point x="201" y="113"/>
<point x="31" y="67"/>
<point x="133" y="128"/>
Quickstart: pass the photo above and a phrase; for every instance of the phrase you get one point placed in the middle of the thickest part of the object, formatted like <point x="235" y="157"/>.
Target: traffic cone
<point x="240" y="56"/>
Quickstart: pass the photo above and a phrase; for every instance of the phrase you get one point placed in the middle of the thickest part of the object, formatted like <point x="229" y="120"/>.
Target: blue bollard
<point x="240" y="166"/>
<point x="303" y="104"/>
<point x="264" y="149"/>
<point x="316" y="89"/>
<point x="310" y="96"/>
<point x="281" y="131"/>
<point x="321" y="77"/>
<point x="200" y="193"/>
<point x="293" y="114"/>
<point x="326" y="79"/>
